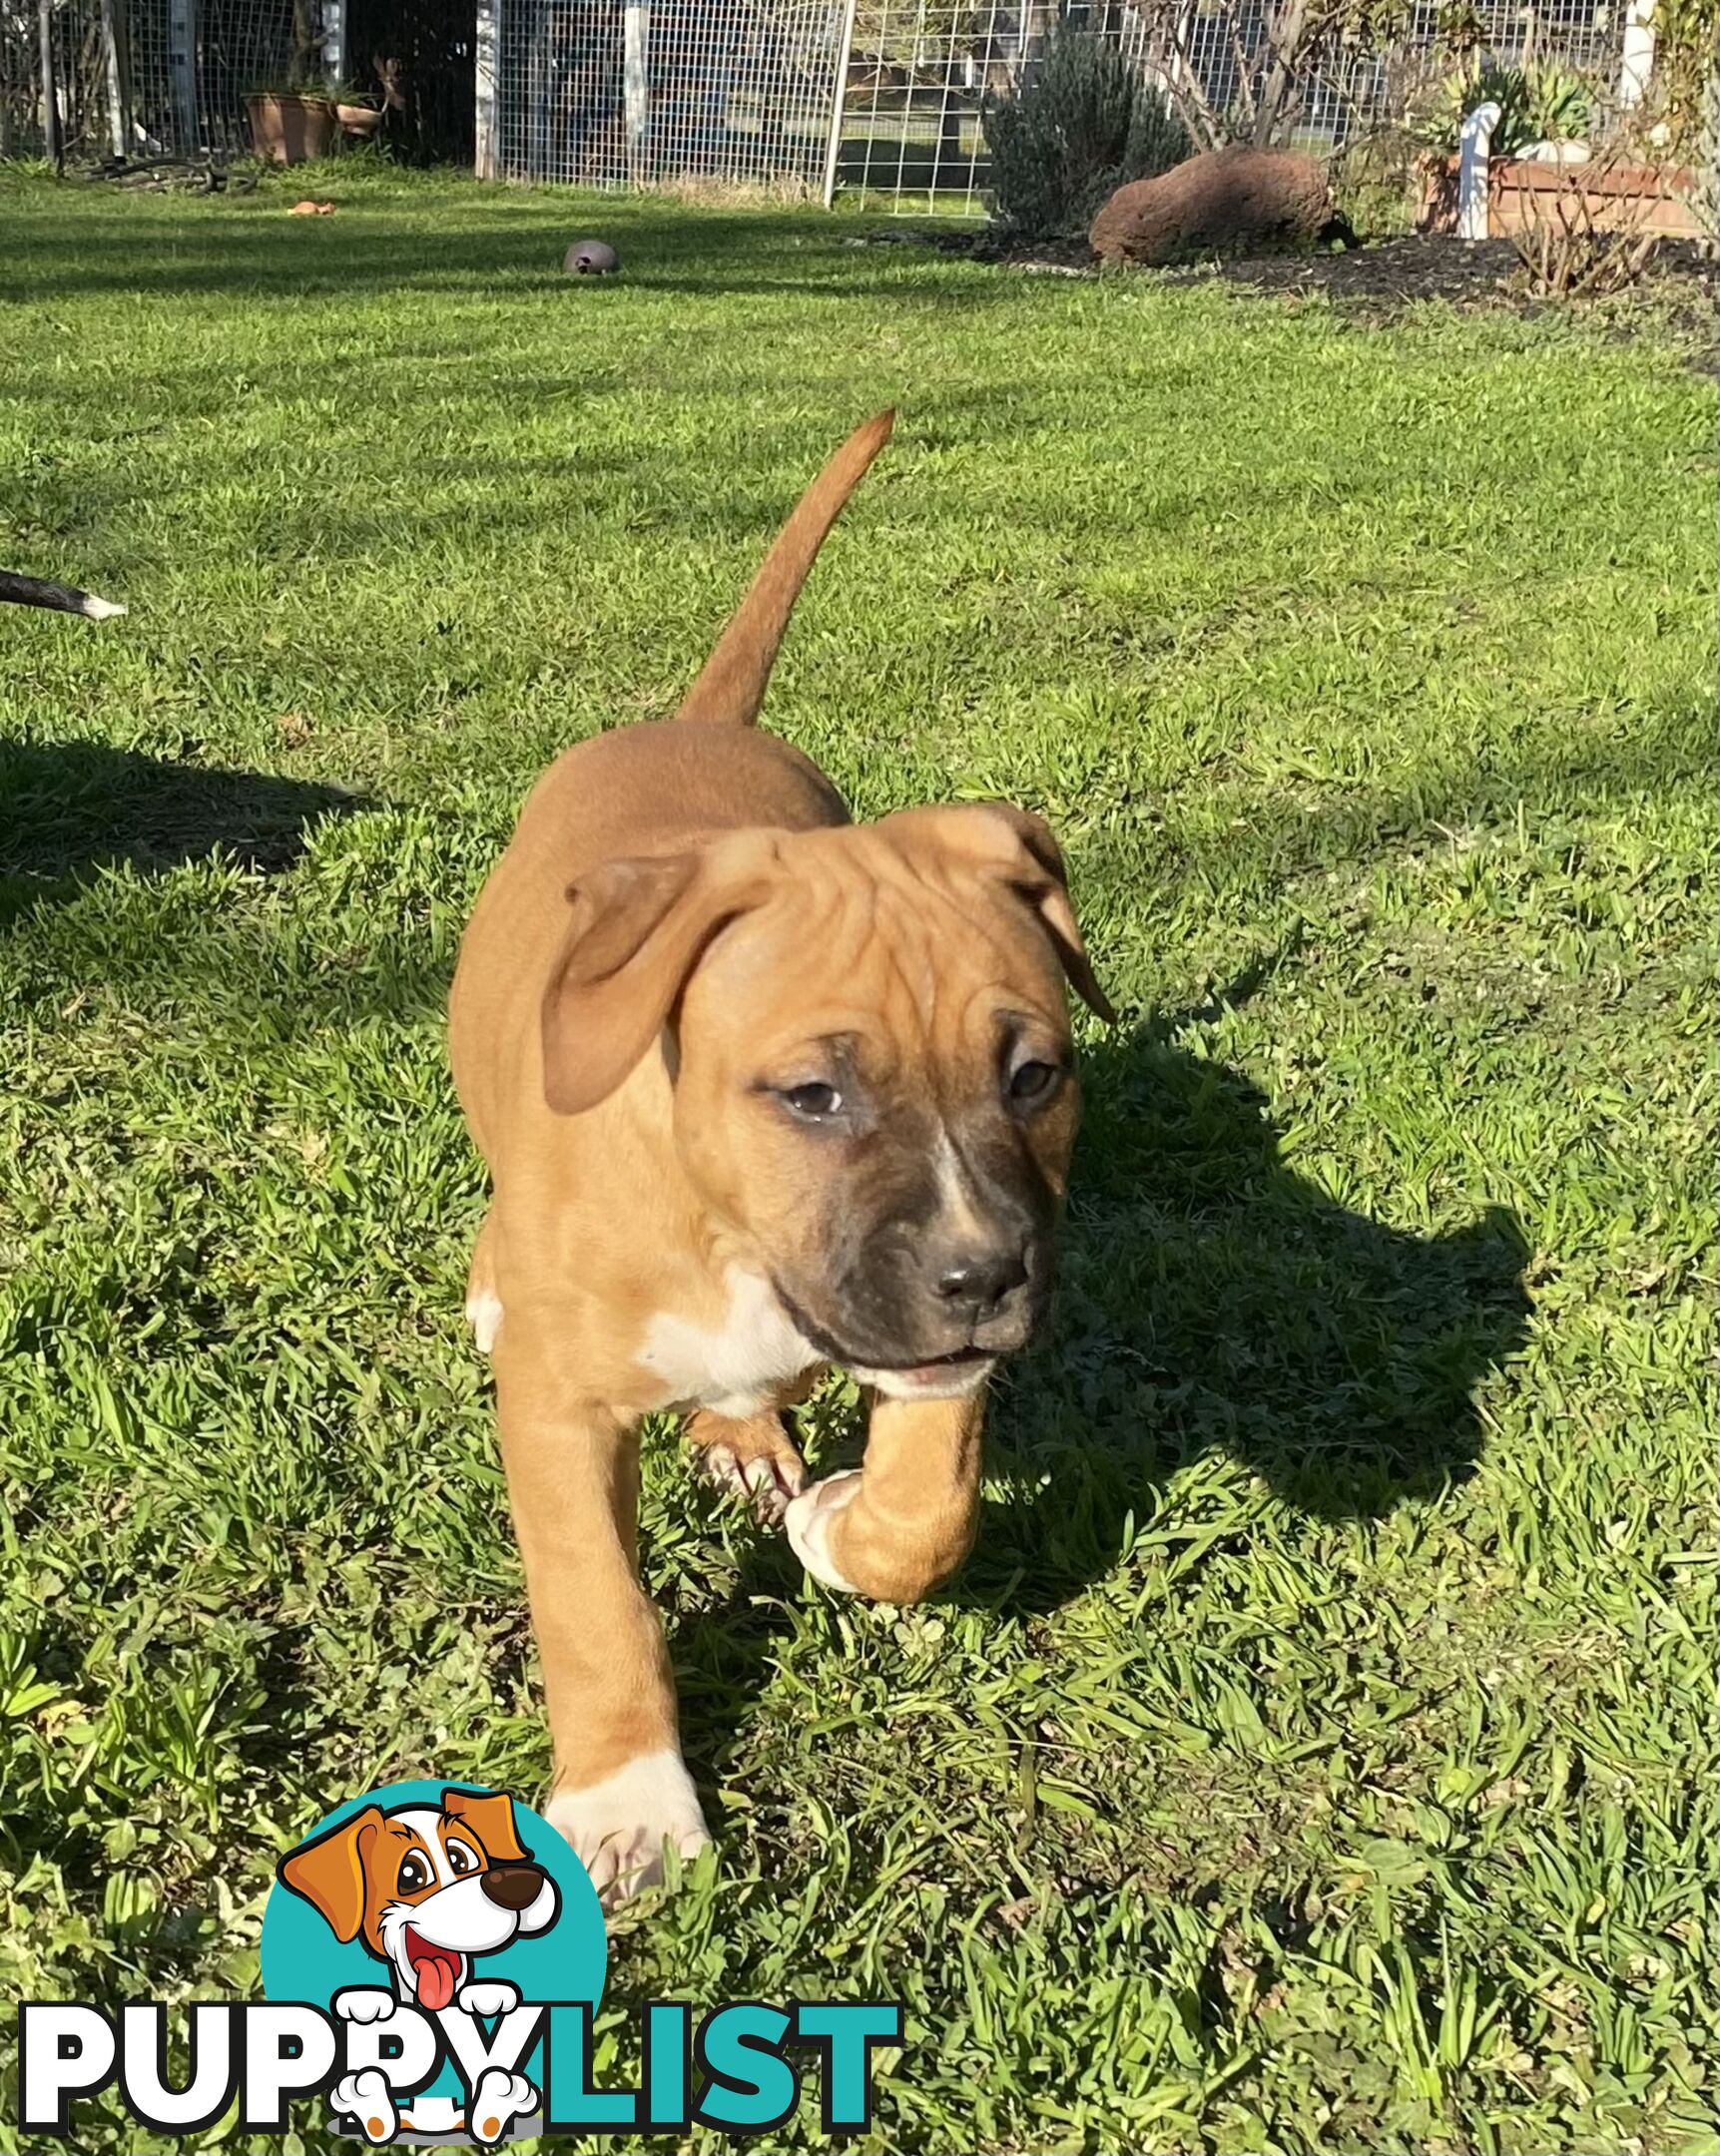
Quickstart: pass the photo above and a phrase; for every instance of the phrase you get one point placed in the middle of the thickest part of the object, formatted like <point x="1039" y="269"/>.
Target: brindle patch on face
<point x="908" y="990"/>
<point x="918" y="1201"/>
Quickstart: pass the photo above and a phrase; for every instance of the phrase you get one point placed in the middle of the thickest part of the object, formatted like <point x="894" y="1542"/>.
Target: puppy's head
<point x="868" y="1033"/>
<point x="426" y="1889"/>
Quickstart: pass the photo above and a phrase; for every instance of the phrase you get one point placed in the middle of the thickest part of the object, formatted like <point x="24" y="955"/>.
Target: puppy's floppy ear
<point x="1021" y="846"/>
<point x="491" y="1819"/>
<point x="330" y="1872"/>
<point x="639" y="929"/>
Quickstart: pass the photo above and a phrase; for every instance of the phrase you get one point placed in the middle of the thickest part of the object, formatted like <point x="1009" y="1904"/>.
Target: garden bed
<point x="1373" y="284"/>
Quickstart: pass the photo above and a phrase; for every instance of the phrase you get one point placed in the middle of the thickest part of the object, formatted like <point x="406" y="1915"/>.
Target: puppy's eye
<point x="415" y="1873"/>
<point x="1032" y="1082"/>
<point x="460" y="1859"/>
<point x="812" y="1102"/>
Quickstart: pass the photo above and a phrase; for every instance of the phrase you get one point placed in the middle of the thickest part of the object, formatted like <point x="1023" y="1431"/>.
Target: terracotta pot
<point x="287" y="129"/>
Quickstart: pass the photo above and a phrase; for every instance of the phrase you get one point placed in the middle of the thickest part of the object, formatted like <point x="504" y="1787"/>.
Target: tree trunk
<point x="1284" y="38"/>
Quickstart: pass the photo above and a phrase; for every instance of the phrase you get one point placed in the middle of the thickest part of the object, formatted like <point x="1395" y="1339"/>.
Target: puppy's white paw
<point x="498" y="2100"/>
<point x="493" y="1997"/>
<point x="366" y="2096"/>
<point x="484" y="1315"/>
<point x="619" y="1827"/>
<point x="808" y="1521"/>
<point x="363" y="2003"/>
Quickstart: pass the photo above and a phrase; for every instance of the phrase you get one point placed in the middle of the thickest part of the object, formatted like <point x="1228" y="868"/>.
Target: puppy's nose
<point x="978" y="1280"/>
<point x="513" y="1885"/>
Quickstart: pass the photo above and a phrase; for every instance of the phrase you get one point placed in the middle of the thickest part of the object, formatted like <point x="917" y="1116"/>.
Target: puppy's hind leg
<point x="755" y="1457"/>
<point x="483" y="1305"/>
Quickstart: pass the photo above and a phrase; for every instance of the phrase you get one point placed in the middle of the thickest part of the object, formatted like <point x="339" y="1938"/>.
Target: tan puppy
<point x="759" y="1092"/>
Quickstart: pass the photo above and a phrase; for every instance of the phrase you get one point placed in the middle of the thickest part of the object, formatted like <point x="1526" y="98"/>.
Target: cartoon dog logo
<point x="427" y="1890"/>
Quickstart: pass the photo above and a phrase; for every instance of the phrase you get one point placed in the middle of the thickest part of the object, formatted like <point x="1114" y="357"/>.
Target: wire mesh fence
<point x="1267" y="71"/>
<point x="918" y="74"/>
<point x="138" y="79"/>
<point x="618" y="93"/>
<point x="884" y="97"/>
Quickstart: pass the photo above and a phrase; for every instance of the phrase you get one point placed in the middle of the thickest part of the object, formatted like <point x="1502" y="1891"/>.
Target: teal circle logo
<point x="453" y="1899"/>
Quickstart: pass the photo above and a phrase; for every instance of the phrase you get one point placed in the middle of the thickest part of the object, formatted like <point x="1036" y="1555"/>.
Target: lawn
<point x="1317" y="1752"/>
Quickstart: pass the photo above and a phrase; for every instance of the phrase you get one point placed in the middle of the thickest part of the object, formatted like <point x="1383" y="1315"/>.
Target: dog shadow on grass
<point x="1211" y="1300"/>
<point x="70" y="808"/>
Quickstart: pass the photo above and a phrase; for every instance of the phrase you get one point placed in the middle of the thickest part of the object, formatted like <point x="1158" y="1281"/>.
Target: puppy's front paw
<point x="619" y="1827"/>
<point x="809" y="1520"/>
<point x="366" y="2096"/>
<point x="498" y="2100"/>
<point x="757" y="1460"/>
<point x="491" y="1998"/>
<point x="764" y="1484"/>
<point x="364" y="2003"/>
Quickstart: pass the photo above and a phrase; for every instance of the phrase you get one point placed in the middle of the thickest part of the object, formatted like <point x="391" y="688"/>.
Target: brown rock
<point x="1220" y="202"/>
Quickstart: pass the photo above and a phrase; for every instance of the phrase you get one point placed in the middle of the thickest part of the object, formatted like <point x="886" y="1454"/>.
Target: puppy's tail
<point x="33" y="590"/>
<point x="731" y="685"/>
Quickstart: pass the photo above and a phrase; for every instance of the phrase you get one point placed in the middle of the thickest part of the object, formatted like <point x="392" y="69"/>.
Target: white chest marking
<point x="734" y="1368"/>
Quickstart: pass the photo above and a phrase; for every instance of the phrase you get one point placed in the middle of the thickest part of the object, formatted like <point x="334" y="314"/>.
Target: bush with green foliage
<point x="1079" y="127"/>
<point x="1537" y="104"/>
<point x="1687" y="69"/>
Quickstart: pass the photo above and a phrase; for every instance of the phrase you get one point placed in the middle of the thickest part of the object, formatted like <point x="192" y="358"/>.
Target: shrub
<point x="1686" y="40"/>
<point x="1537" y="104"/>
<point x="1072" y="134"/>
<point x="1375" y="182"/>
<point x="1566" y="255"/>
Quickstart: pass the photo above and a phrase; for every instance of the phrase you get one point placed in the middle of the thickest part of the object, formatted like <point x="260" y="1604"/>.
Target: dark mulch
<point x="1371" y="283"/>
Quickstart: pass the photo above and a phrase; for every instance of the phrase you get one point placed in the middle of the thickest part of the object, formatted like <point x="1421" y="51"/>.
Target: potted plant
<point x="294" y="119"/>
<point x="1540" y="156"/>
<point x="357" y="112"/>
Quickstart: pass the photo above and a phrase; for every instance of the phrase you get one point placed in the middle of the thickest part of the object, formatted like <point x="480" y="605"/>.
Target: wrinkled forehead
<point x="863" y="937"/>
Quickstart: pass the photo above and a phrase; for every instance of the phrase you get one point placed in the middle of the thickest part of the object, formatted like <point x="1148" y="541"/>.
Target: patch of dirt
<point x="1374" y="283"/>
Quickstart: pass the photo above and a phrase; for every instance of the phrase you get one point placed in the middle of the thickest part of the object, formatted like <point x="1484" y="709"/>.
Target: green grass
<point x="1317" y="1754"/>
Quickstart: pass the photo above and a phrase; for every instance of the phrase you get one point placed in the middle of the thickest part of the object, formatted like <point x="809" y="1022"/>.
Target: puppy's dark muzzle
<point x="513" y="1886"/>
<point x="901" y="1315"/>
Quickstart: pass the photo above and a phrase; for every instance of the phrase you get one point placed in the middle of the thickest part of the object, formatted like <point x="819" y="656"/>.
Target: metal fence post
<point x="182" y="62"/>
<point x="114" y="76"/>
<point x="484" y="162"/>
<point x="636" y="36"/>
<point x="839" y="103"/>
<point x="1636" y="62"/>
<point x="52" y="141"/>
<point x="334" y="13"/>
